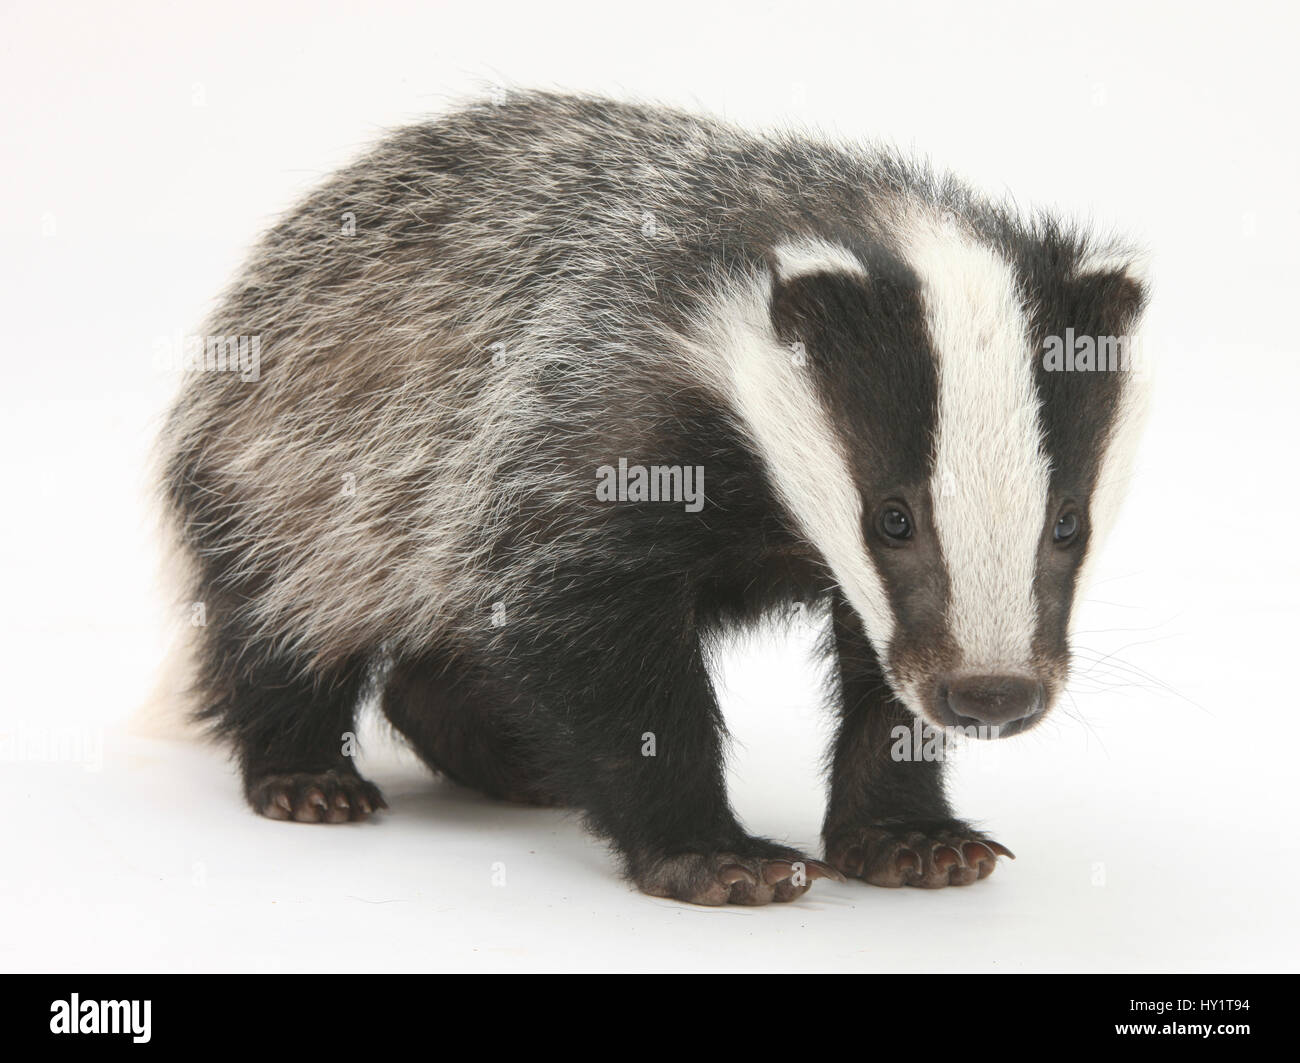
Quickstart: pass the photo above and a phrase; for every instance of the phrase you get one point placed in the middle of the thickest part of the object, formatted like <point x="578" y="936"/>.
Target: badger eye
<point x="1067" y="527"/>
<point x="895" y="522"/>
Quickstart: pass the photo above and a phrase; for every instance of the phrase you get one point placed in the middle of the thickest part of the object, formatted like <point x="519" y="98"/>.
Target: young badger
<point x="460" y="330"/>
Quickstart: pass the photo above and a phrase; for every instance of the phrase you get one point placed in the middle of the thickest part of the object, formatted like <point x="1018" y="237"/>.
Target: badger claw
<point x="928" y="856"/>
<point x="315" y="797"/>
<point x="769" y="873"/>
<point x="815" y="869"/>
<point x="907" y="862"/>
<point x="733" y="873"/>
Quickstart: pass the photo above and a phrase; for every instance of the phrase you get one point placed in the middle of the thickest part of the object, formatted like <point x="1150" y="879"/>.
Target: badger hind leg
<point x="465" y="724"/>
<point x="292" y="727"/>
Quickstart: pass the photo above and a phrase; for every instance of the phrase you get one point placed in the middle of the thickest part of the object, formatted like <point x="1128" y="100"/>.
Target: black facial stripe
<point x="1078" y="412"/>
<point x="868" y="352"/>
<point x="869" y="356"/>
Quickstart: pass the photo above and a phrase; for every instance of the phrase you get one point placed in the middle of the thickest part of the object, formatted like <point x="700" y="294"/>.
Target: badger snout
<point x="995" y="705"/>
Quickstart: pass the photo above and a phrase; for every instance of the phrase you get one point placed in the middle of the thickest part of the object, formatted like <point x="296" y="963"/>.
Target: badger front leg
<point x="888" y="821"/>
<point x="629" y="730"/>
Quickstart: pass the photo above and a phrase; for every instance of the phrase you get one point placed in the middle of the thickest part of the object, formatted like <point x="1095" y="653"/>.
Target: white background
<point x="146" y="145"/>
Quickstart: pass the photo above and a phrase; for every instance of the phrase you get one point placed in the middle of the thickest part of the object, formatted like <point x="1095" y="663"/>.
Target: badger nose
<point x="998" y="700"/>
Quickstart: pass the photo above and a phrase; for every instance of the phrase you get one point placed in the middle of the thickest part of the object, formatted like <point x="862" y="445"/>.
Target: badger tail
<point x="168" y="711"/>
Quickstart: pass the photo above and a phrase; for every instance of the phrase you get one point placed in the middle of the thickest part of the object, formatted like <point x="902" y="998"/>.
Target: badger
<point x="500" y="357"/>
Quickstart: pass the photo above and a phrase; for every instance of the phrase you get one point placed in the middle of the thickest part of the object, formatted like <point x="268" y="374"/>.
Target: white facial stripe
<point x="991" y="475"/>
<point x="812" y="255"/>
<point x="776" y="403"/>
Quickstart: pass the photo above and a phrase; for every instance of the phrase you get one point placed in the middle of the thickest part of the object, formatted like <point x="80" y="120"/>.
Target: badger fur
<point x="462" y="329"/>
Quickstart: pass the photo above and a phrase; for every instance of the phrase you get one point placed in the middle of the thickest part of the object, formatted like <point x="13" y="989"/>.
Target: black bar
<point x="332" y="1011"/>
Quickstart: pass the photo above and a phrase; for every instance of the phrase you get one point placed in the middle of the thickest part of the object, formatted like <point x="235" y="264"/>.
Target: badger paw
<point x="928" y="855"/>
<point x="754" y="873"/>
<point x="315" y="797"/>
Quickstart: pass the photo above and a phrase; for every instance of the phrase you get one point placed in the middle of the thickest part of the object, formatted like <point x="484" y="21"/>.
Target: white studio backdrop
<point x="147" y="144"/>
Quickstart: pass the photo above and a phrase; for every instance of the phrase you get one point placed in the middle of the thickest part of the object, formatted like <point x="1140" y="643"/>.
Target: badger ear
<point x="1113" y="281"/>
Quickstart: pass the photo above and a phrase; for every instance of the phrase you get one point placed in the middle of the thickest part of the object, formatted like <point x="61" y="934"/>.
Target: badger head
<point x="929" y="412"/>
